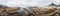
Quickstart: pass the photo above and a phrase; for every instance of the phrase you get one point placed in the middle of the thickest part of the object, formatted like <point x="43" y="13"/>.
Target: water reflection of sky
<point x="26" y="3"/>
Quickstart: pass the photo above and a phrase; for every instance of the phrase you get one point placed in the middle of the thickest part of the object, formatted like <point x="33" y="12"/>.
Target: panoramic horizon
<point x="29" y="7"/>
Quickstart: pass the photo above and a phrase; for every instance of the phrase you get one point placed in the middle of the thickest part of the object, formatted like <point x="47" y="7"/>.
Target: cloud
<point x="56" y="2"/>
<point x="26" y="3"/>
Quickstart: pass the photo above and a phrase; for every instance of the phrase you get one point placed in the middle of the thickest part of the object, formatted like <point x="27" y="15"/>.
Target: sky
<point x="27" y="3"/>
